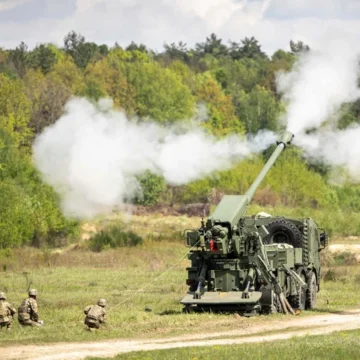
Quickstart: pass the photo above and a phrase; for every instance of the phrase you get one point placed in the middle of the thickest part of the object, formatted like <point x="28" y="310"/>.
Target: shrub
<point x="16" y="221"/>
<point x="114" y="237"/>
<point x="330" y="275"/>
<point x="29" y="211"/>
<point x="152" y="186"/>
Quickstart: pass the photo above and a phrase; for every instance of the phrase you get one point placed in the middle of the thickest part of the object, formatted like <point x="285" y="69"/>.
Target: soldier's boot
<point x="35" y="324"/>
<point x="5" y="326"/>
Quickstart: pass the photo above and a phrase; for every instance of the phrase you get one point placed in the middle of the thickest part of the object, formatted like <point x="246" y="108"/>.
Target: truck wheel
<point x="298" y="301"/>
<point x="283" y="231"/>
<point x="311" y="291"/>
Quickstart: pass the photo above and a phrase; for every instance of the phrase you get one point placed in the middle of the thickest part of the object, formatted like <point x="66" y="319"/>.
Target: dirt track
<point x="294" y="326"/>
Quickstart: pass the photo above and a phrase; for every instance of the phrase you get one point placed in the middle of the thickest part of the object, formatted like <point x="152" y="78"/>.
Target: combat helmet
<point x="2" y="296"/>
<point x="32" y="292"/>
<point x="102" y="302"/>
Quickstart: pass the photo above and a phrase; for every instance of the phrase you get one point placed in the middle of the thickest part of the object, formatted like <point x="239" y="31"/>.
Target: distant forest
<point x="235" y="81"/>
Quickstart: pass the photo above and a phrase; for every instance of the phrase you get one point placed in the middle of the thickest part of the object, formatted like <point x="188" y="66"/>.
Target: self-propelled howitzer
<point x="253" y="264"/>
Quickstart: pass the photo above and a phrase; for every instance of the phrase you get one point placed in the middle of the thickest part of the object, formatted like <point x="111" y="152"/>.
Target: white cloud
<point x="9" y="4"/>
<point x="273" y="22"/>
<point x="318" y="8"/>
<point x="83" y="5"/>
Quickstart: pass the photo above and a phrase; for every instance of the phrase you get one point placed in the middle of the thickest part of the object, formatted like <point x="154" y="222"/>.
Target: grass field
<point x="69" y="280"/>
<point x="339" y="346"/>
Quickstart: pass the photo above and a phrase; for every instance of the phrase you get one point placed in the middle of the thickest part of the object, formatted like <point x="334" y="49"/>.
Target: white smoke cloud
<point x="92" y="155"/>
<point x="316" y="88"/>
<point x="320" y="82"/>
<point x="339" y="148"/>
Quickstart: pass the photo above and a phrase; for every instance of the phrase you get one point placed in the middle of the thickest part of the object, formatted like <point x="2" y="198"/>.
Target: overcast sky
<point x="153" y="22"/>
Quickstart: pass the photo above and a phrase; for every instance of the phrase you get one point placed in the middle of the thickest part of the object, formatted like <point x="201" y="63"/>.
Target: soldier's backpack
<point x="94" y="313"/>
<point x="4" y="316"/>
<point x="24" y="309"/>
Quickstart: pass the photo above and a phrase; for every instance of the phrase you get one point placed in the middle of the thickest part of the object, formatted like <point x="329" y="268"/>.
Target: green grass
<point x="69" y="281"/>
<point x="343" y="345"/>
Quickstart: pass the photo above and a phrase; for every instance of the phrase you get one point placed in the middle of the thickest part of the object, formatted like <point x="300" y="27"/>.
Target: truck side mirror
<point x="192" y="238"/>
<point x="323" y="240"/>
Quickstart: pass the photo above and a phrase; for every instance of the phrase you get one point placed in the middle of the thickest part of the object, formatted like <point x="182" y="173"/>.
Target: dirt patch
<point x="346" y="248"/>
<point x="337" y="239"/>
<point x="280" y="330"/>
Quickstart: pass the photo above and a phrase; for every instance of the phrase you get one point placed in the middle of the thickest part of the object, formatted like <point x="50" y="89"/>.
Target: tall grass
<point x="131" y="279"/>
<point x="135" y="278"/>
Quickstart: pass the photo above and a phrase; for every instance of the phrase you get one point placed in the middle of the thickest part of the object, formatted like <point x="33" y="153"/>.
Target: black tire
<point x="311" y="292"/>
<point x="284" y="231"/>
<point x="298" y="301"/>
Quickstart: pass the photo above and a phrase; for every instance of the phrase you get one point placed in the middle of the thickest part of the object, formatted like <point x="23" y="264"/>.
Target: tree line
<point x="235" y="81"/>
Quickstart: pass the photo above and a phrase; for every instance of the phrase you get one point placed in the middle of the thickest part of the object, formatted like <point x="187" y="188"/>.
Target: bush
<point x="114" y="237"/>
<point x="29" y="211"/>
<point x="349" y="196"/>
<point x="345" y="259"/>
<point x="335" y="274"/>
<point x="16" y="220"/>
<point x="152" y="186"/>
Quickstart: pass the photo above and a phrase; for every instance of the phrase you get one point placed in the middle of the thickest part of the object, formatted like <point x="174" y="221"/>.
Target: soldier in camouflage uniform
<point x="7" y="311"/>
<point x="28" y="311"/>
<point x="95" y="314"/>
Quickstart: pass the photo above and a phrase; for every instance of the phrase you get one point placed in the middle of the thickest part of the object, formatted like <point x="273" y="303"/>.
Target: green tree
<point x="19" y="59"/>
<point x="106" y="77"/>
<point x="249" y="48"/>
<point x="137" y="47"/>
<point x="160" y="93"/>
<point x="213" y="46"/>
<point x="29" y="210"/>
<point x="14" y="110"/>
<point x="283" y="60"/>
<point x="259" y="110"/>
<point x="43" y="58"/>
<point x="48" y="96"/>
<point x="245" y="74"/>
<point x="16" y="225"/>
<point x="66" y="71"/>
<point x="222" y="117"/>
<point x="177" y="51"/>
<point x="81" y="51"/>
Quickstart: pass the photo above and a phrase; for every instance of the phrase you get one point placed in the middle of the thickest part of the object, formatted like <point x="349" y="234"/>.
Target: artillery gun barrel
<point x="282" y="142"/>
<point x="232" y="207"/>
